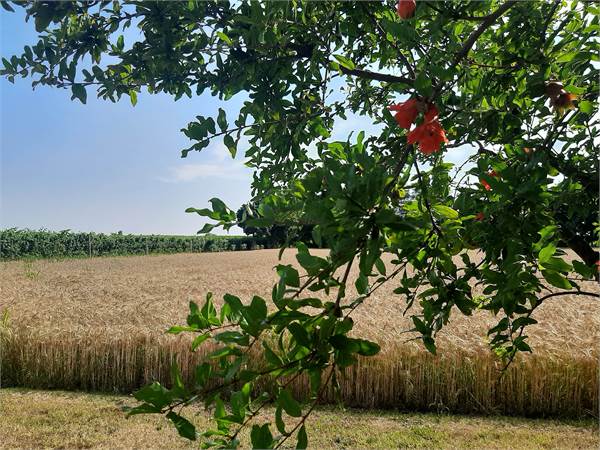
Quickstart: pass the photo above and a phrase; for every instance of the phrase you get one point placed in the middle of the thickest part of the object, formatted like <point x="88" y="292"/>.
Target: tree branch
<point x="488" y="22"/>
<point x="366" y="74"/>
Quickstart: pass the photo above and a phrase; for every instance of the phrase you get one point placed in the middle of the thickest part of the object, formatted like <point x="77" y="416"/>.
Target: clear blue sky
<point x="109" y="167"/>
<point x="103" y="166"/>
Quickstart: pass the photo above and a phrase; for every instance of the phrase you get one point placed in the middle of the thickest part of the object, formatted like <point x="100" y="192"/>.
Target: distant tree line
<point x="275" y="235"/>
<point x="19" y="243"/>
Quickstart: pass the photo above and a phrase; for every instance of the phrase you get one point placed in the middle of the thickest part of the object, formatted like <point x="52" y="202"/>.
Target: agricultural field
<point x="98" y="324"/>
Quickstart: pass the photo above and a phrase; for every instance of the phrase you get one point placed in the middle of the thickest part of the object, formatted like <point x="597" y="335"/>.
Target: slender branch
<point x="488" y="22"/>
<point x="342" y="289"/>
<point x="312" y="407"/>
<point x="455" y="15"/>
<point x="549" y="19"/>
<point x="556" y="294"/>
<point x="464" y="51"/>
<point x="539" y="302"/>
<point x="382" y="32"/>
<point x="426" y="200"/>
<point x="366" y="74"/>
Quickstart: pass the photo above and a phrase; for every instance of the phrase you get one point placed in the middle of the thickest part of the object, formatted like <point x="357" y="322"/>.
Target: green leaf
<point x="232" y="337"/>
<point x="361" y="284"/>
<point x="547" y="252"/>
<point x="558" y="264"/>
<point x="224" y="38"/>
<point x="184" y="427"/>
<point x="271" y="356"/>
<point x="202" y="373"/>
<point x="155" y="394"/>
<point x="429" y="344"/>
<point x="207" y="228"/>
<point x="582" y="269"/>
<point x="586" y="106"/>
<point x="423" y="84"/>
<point x="279" y="423"/>
<point x="302" y="439"/>
<point x="566" y="57"/>
<point x="445" y="211"/>
<point x="289" y="403"/>
<point x="179" y="329"/>
<point x="261" y="437"/>
<point x="133" y="97"/>
<point x="556" y="279"/>
<point x="144" y="408"/>
<point x="345" y="62"/>
<point x="367" y="348"/>
<point x="349" y="345"/>
<point x="380" y="265"/>
<point x="300" y="334"/>
<point x="222" y="120"/>
<point x="289" y="274"/>
<point x="420" y="326"/>
<point x="198" y="340"/>
<point x="79" y="92"/>
<point x="6" y="6"/>
<point x="230" y="144"/>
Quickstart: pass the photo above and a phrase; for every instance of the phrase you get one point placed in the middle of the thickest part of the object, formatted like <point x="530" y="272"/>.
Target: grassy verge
<point x="36" y="419"/>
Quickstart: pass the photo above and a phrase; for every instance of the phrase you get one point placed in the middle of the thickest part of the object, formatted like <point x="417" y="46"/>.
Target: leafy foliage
<point x="514" y="88"/>
<point x="278" y="231"/>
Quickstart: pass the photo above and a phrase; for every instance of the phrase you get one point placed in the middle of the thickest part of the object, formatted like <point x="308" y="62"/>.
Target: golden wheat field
<point x="98" y="324"/>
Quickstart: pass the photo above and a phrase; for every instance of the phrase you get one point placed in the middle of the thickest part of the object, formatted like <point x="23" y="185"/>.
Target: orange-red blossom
<point x="484" y="183"/>
<point x="430" y="134"/>
<point x="406" y="113"/>
<point x="564" y="101"/>
<point x="406" y="8"/>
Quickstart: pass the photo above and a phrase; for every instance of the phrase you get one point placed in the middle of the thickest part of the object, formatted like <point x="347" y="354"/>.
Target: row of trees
<point x="18" y="243"/>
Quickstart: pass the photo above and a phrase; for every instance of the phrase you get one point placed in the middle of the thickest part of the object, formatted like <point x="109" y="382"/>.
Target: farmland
<point x="98" y="324"/>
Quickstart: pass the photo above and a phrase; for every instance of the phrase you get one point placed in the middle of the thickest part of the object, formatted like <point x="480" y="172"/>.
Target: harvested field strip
<point x="401" y="377"/>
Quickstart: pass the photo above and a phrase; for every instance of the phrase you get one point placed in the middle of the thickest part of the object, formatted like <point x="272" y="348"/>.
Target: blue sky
<point x="109" y="167"/>
<point x="103" y="166"/>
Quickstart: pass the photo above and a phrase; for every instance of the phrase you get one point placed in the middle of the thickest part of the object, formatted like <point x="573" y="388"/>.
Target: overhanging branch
<point x="366" y="74"/>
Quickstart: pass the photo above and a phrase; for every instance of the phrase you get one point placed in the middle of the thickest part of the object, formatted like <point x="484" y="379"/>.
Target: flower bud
<point x="406" y="8"/>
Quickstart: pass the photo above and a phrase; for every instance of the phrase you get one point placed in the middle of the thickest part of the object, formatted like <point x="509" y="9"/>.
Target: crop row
<point x="17" y="243"/>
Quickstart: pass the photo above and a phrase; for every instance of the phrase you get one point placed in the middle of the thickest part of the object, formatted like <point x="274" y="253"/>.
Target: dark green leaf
<point x="184" y="427"/>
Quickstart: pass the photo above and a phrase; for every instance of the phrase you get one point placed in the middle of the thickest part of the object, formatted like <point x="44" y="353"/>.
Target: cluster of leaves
<point x="285" y="229"/>
<point x="301" y="66"/>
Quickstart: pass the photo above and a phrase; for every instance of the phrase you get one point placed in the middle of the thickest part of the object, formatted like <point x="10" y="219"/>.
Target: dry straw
<point x="400" y="378"/>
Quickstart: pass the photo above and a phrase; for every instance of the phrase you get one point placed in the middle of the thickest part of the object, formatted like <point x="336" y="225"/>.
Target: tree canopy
<point x="511" y="87"/>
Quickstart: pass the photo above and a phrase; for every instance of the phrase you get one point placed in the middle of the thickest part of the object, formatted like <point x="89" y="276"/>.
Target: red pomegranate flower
<point x="429" y="136"/>
<point x="406" y="113"/>
<point x="564" y="101"/>
<point x="479" y="217"/>
<point x="431" y="114"/>
<point x="406" y="8"/>
<point x="484" y="183"/>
